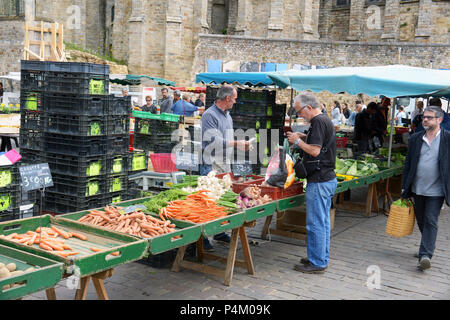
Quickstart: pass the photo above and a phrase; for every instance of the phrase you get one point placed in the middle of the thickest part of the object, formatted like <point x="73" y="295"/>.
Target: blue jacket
<point x="183" y="108"/>
<point x="412" y="159"/>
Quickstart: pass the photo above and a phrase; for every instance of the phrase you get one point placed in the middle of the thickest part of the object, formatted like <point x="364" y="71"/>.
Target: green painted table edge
<point x="47" y="276"/>
<point x="133" y="249"/>
<point x="268" y="209"/>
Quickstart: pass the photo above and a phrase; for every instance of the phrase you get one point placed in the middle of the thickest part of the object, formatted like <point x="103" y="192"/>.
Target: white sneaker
<point x="424" y="263"/>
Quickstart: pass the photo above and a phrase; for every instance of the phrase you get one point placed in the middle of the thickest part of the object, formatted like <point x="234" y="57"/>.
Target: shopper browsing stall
<point x="426" y="179"/>
<point x="166" y="102"/>
<point x="319" y="148"/>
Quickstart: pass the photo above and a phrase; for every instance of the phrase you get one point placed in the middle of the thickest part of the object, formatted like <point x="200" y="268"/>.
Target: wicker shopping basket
<point x="401" y="220"/>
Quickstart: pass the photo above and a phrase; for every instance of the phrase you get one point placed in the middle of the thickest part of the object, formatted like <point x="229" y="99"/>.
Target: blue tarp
<point x="244" y="78"/>
<point x="214" y="65"/>
<point x="391" y="81"/>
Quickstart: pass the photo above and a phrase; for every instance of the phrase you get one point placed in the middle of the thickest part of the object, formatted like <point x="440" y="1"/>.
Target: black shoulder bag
<point x="303" y="168"/>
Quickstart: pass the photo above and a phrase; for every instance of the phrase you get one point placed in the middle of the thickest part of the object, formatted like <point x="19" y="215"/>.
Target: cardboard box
<point x="297" y="217"/>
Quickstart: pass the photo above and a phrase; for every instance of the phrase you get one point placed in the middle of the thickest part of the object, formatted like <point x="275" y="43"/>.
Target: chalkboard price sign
<point x="242" y="169"/>
<point x="36" y="176"/>
<point x="187" y="161"/>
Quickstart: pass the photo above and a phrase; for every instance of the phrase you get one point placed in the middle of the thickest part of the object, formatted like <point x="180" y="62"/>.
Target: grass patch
<point x="107" y="57"/>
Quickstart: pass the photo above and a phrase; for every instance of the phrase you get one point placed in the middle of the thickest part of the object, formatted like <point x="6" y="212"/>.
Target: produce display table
<point x="230" y="260"/>
<point x="80" y="294"/>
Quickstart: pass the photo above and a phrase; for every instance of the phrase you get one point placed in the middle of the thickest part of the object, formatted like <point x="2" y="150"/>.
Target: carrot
<point x="46" y="247"/>
<point x="95" y="249"/>
<point x="61" y="232"/>
<point x="66" y="254"/>
<point x="116" y="253"/>
<point x="79" y="236"/>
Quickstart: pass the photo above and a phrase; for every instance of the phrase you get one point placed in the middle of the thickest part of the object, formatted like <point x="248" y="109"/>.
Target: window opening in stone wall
<point x="219" y="17"/>
<point x="375" y="2"/>
<point x="112" y="14"/>
<point x="342" y="3"/>
<point x="12" y="8"/>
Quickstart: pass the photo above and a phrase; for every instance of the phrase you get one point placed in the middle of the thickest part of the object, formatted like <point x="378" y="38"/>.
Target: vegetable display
<point x="10" y="270"/>
<point x="358" y="168"/>
<point x="197" y="208"/>
<point x="136" y="223"/>
<point x="48" y="239"/>
<point x="215" y="187"/>
<point x="5" y="178"/>
<point x="251" y="197"/>
<point x="161" y="200"/>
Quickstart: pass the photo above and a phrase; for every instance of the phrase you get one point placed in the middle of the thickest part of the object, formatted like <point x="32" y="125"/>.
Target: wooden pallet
<point x="44" y="41"/>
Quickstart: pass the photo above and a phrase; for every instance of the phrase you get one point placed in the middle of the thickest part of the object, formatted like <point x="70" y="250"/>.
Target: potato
<point x="11" y="267"/>
<point x="6" y="287"/>
<point x="4" y="273"/>
<point x="30" y="269"/>
<point x="17" y="273"/>
<point x="2" y="265"/>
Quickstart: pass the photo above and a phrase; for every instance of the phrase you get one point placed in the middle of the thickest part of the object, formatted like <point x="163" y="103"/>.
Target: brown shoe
<point x="309" y="269"/>
<point x="304" y="261"/>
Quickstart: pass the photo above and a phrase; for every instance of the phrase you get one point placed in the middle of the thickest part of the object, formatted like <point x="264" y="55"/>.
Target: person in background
<point x="362" y="131"/>
<point x="323" y="108"/>
<point x="378" y="124"/>
<point x="418" y="110"/>
<point x="336" y="114"/>
<point x="124" y="92"/>
<point x="426" y="178"/>
<point x="201" y="101"/>
<point x="351" y="119"/>
<point x="1" y="91"/>
<point x="400" y="115"/>
<point x="416" y="116"/>
<point x="417" y="121"/>
<point x="166" y="101"/>
<point x="346" y="110"/>
<point x="149" y="106"/>
<point x="217" y="132"/>
<point x="319" y="147"/>
<point x="184" y="107"/>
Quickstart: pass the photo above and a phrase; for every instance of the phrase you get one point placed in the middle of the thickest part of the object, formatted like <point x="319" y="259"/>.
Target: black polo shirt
<point x="322" y="134"/>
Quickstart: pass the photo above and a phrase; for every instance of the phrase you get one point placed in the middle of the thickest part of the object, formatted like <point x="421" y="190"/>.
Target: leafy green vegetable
<point x="161" y="200"/>
<point x="401" y="203"/>
<point x="353" y="171"/>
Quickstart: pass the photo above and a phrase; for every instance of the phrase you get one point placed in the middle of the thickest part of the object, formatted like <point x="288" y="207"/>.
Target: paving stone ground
<point x="357" y="243"/>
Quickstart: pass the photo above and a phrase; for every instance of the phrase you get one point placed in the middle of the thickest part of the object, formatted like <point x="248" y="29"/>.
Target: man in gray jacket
<point x="166" y="102"/>
<point x="426" y="179"/>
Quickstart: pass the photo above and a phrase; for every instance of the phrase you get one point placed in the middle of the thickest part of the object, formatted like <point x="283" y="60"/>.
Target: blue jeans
<point x="427" y="210"/>
<point x="318" y="204"/>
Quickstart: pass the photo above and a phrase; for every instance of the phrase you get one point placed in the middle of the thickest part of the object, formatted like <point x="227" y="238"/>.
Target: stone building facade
<point x="173" y="38"/>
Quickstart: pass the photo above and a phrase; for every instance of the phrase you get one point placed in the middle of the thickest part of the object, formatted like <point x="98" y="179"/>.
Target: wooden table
<point x="80" y="294"/>
<point x="230" y="260"/>
<point x="371" y="204"/>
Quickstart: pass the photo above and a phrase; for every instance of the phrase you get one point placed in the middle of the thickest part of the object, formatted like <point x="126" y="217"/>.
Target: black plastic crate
<point x="13" y="214"/>
<point x="153" y="143"/>
<point x="79" y="187"/>
<point x="33" y="80"/>
<point x="84" y="167"/>
<point x="85" y="146"/>
<point x="81" y="83"/>
<point x="117" y="164"/>
<point x="137" y="161"/>
<point x="155" y="127"/>
<point x="119" y="105"/>
<point x="30" y="139"/>
<point x="30" y="156"/>
<point x="118" y="124"/>
<point x="9" y="200"/>
<point x="164" y="148"/>
<point x="89" y="126"/>
<point x="115" y="197"/>
<point x="54" y="66"/>
<point x="58" y="203"/>
<point x="117" y="183"/>
<point x="255" y="122"/>
<point x="249" y="95"/>
<point x="31" y="100"/>
<point x="166" y="258"/>
<point x="9" y="178"/>
<point x="76" y="104"/>
<point x="30" y="120"/>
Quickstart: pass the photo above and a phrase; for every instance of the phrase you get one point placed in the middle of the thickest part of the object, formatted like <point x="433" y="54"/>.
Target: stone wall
<point x="12" y="35"/>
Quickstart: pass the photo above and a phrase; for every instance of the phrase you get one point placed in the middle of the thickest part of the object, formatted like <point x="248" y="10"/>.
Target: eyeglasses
<point x="301" y="109"/>
<point x="428" y="117"/>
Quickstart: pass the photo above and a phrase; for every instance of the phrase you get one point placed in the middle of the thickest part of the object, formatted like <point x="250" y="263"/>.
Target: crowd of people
<point x="180" y="104"/>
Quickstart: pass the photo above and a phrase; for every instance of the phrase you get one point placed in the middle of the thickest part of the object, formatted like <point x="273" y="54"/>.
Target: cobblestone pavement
<point x="357" y="242"/>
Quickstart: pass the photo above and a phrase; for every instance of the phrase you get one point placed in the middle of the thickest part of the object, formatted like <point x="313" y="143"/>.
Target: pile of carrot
<point x="136" y="223"/>
<point x="48" y="239"/>
<point x="197" y="208"/>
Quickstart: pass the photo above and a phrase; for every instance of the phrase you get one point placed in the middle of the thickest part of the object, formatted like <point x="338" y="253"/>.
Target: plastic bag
<point x="280" y="172"/>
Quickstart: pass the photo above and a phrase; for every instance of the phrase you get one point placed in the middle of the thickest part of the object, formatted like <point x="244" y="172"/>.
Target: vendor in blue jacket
<point x="184" y="108"/>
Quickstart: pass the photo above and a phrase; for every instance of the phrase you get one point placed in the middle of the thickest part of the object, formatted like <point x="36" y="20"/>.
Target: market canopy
<point x="134" y="80"/>
<point x="390" y="81"/>
<point x="243" y="78"/>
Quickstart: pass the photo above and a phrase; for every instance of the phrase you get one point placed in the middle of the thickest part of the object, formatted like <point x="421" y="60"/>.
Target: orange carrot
<point x="79" y="236"/>
<point x="115" y="253"/>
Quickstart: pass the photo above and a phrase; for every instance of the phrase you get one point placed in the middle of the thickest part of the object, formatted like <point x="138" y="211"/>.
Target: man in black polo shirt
<point x="319" y="147"/>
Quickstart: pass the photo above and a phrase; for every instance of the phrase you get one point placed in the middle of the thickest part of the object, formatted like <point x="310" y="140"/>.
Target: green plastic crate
<point x="356" y="183"/>
<point x="292" y="202"/>
<point x="373" y="178"/>
<point x="162" y="116"/>
<point x="341" y="187"/>
<point x="47" y="274"/>
<point x="265" y="210"/>
<point x="229" y="222"/>
<point x="130" y="248"/>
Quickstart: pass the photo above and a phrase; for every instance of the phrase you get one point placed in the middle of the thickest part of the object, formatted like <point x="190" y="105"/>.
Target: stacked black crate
<point x="81" y="133"/>
<point x="257" y="109"/>
<point x="9" y="193"/>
